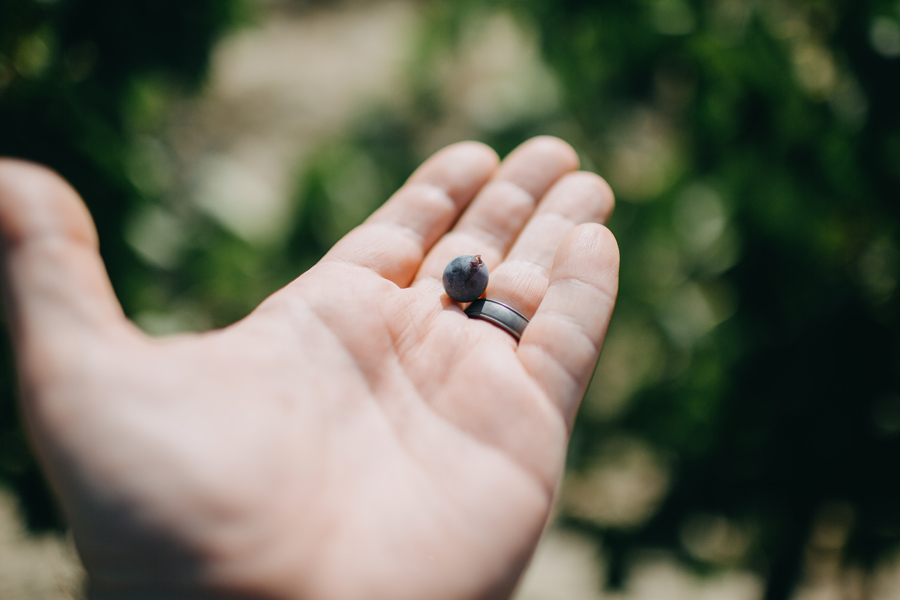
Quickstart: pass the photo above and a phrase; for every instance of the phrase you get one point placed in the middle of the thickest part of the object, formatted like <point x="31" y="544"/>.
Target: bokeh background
<point x="741" y="437"/>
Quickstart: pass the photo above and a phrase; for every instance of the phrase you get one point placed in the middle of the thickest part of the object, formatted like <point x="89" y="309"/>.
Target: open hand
<point x="356" y="436"/>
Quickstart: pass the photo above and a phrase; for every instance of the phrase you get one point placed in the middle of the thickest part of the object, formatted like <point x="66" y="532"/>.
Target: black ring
<point x="506" y="318"/>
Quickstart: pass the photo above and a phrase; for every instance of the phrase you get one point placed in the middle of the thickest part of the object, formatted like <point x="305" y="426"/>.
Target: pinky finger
<point x="562" y="343"/>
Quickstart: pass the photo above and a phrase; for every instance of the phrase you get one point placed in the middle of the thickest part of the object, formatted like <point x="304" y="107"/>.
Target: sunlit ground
<point x="34" y="567"/>
<point x="284" y="87"/>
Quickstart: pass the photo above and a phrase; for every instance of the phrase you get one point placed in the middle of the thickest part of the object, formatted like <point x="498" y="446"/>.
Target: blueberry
<point x="465" y="278"/>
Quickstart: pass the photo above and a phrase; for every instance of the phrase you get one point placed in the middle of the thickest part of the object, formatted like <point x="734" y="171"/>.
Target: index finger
<point x="394" y="240"/>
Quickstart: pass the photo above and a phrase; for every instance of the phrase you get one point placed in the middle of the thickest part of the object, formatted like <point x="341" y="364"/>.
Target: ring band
<point x="501" y="315"/>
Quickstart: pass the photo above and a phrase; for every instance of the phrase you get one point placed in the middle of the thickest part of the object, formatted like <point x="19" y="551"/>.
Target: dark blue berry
<point x="465" y="278"/>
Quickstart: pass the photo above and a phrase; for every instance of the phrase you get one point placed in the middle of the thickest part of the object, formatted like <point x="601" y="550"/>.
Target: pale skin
<point x="356" y="436"/>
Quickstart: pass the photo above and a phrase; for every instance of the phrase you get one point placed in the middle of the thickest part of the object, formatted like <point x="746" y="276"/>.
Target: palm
<point x="357" y="435"/>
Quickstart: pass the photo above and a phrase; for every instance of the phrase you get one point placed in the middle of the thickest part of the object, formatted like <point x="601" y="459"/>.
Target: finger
<point x="55" y="284"/>
<point x="562" y="342"/>
<point x="521" y="280"/>
<point x="497" y="215"/>
<point x="393" y="241"/>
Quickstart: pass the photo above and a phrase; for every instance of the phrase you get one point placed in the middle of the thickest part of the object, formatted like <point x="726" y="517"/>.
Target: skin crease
<point x="356" y="436"/>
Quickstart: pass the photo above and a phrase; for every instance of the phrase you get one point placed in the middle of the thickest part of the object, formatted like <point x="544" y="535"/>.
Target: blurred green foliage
<point x="758" y="223"/>
<point x="750" y="387"/>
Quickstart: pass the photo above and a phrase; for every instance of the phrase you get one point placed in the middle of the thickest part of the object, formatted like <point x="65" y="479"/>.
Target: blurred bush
<point x="754" y="150"/>
<point x="746" y="411"/>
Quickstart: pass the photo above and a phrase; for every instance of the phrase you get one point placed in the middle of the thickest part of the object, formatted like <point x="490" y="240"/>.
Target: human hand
<point x="356" y="436"/>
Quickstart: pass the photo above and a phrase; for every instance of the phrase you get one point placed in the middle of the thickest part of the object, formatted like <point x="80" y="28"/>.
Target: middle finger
<point x="521" y="280"/>
<point x="496" y="217"/>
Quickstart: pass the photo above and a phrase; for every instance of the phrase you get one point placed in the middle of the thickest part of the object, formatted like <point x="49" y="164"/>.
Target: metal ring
<point x="501" y="315"/>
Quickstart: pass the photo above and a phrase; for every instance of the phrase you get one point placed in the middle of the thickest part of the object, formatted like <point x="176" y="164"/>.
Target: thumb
<point x="56" y="289"/>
